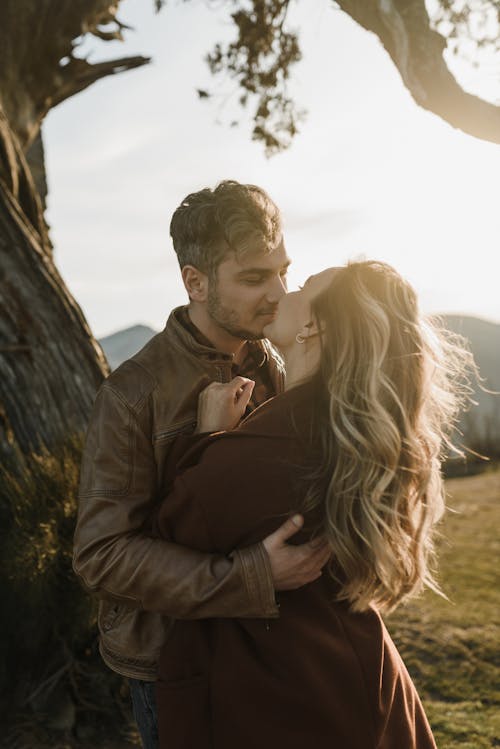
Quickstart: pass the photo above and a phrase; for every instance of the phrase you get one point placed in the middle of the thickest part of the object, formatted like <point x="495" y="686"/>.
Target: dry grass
<point x="451" y="647"/>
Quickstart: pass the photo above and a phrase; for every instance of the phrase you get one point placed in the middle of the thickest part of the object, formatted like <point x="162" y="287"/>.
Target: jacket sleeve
<point x="115" y="554"/>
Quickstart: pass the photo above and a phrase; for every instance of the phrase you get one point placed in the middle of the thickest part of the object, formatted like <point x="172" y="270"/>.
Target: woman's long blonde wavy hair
<point x="388" y="391"/>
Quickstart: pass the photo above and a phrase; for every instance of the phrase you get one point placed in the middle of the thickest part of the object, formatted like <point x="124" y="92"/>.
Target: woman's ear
<point x="196" y="283"/>
<point x="310" y="330"/>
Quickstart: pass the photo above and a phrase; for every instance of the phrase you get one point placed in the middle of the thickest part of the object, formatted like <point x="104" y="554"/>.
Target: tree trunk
<point x="50" y="365"/>
<point x="50" y="369"/>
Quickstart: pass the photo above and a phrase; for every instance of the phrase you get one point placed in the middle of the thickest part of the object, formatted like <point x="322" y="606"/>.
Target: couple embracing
<point x="243" y="529"/>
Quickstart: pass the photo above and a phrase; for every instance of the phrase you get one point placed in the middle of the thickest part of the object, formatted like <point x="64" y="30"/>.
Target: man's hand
<point x="294" y="566"/>
<point x="222" y="405"/>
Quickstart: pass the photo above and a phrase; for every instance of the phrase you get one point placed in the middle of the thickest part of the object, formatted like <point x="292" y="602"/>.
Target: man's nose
<point x="277" y="290"/>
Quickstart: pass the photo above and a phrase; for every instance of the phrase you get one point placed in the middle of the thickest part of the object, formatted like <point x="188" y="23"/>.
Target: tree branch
<point x="35" y="36"/>
<point x="78" y="74"/>
<point x="404" y="28"/>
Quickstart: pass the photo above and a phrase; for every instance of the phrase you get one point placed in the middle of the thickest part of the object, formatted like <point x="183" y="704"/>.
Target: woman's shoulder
<point x="282" y="416"/>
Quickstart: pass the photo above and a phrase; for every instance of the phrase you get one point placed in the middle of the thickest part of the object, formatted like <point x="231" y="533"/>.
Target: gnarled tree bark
<point x="50" y="364"/>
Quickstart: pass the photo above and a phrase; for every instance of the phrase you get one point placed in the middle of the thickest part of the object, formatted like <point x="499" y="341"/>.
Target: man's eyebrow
<point x="255" y="271"/>
<point x="261" y="271"/>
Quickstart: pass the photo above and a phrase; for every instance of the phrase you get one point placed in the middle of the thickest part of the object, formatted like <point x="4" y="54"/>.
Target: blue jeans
<point x="145" y="713"/>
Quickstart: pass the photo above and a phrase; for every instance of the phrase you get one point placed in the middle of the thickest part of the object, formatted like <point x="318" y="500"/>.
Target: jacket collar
<point x="180" y="330"/>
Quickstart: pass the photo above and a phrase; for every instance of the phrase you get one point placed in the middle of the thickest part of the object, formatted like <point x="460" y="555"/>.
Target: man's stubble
<point x="226" y="318"/>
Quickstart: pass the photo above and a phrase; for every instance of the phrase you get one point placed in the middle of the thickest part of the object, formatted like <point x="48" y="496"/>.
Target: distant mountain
<point x="125" y="343"/>
<point x="481" y="425"/>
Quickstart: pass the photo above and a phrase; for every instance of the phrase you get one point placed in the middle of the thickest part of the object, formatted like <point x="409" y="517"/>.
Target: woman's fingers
<point x="222" y="405"/>
<point x="244" y="394"/>
<point x="239" y="387"/>
<point x="238" y="382"/>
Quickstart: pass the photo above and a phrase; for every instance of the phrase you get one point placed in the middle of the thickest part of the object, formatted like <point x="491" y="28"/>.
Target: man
<point x="233" y="263"/>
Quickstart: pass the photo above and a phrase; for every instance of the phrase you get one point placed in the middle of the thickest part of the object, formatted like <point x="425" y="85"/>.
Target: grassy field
<point x="452" y="648"/>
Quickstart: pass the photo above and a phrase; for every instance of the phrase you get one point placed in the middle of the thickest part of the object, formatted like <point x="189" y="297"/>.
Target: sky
<point x="369" y="175"/>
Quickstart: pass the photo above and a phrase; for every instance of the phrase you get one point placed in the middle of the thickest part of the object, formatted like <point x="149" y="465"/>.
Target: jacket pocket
<point x="184" y="719"/>
<point x="110" y="613"/>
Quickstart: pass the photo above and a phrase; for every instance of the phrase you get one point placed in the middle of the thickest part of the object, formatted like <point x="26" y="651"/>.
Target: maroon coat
<point x="319" y="676"/>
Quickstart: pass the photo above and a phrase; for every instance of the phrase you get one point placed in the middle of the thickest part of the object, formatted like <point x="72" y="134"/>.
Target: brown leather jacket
<point x="142" y="422"/>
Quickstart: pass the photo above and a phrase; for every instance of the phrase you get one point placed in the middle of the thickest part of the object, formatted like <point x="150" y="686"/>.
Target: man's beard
<point x="228" y="320"/>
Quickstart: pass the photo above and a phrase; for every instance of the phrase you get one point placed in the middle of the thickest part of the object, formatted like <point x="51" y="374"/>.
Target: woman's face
<point x="294" y="310"/>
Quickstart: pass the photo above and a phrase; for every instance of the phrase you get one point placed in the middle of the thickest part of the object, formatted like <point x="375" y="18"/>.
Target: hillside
<point x="481" y="424"/>
<point x="125" y="343"/>
<point x="451" y="647"/>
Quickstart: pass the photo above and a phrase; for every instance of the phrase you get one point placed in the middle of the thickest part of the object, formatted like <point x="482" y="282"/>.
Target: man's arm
<point x="115" y="555"/>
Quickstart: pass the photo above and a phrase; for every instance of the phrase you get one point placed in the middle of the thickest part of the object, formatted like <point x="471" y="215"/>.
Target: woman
<point x="354" y="444"/>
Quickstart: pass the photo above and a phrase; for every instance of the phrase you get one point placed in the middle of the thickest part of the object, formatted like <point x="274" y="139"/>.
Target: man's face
<point x="243" y="298"/>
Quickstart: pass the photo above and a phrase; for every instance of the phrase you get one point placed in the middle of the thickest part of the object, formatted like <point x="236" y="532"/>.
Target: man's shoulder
<point x="163" y="365"/>
<point x="135" y="379"/>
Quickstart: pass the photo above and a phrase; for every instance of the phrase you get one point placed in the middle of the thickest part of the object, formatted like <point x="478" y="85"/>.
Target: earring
<point x="300" y="338"/>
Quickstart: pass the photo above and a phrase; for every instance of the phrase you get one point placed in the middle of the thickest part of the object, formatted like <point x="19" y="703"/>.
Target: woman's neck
<point x="300" y="364"/>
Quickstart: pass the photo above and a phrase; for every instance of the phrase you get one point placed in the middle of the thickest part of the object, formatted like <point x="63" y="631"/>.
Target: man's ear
<point x="195" y="283"/>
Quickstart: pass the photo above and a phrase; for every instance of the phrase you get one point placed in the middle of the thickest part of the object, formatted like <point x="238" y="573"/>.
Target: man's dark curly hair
<point x="209" y="224"/>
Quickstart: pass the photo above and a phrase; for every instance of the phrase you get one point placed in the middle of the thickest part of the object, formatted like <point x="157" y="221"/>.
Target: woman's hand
<point x="222" y="405"/>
